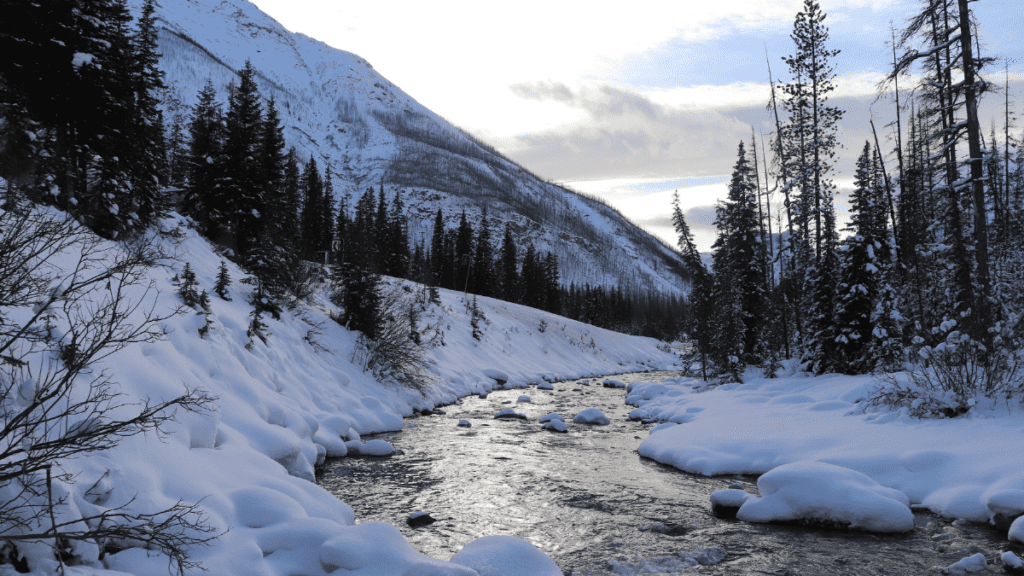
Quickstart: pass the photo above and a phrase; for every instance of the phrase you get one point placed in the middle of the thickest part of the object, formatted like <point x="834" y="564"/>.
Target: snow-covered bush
<point x="947" y="379"/>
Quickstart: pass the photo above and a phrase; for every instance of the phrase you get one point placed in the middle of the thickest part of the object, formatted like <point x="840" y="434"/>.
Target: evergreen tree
<point x="203" y="200"/>
<point x="312" y="186"/>
<point x="242" y="185"/>
<point x="188" y="287"/>
<point x="509" y="266"/>
<point x="859" y="274"/>
<point x="223" y="282"/>
<point x="699" y="325"/>
<point x="463" y="253"/>
<point x="291" y="203"/>
<point x="439" y="262"/>
<point x="739" y="268"/>
<point x="147" y="145"/>
<point x="398" y="223"/>
<point x="325" y="217"/>
<point x="482" y="276"/>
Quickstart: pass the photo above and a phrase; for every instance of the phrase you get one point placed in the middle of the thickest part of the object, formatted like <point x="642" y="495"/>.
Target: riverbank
<point x="969" y="468"/>
<point x="283" y="406"/>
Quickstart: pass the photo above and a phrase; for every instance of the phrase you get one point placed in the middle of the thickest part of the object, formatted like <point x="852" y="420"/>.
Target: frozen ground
<point x="284" y="406"/>
<point x="825" y="454"/>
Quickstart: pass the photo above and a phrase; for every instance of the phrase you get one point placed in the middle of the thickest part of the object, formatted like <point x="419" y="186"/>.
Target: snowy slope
<point x="336" y="108"/>
<point x="284" y="406"/>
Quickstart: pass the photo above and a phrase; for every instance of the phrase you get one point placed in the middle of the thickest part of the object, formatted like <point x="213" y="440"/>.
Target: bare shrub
<point x="67" y="301"/>
<point x="395" y="355"/>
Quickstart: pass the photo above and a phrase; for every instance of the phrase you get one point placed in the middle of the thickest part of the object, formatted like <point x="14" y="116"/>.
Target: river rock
<point x="550" y="417"/>
<point x="523" y="398"/>
<point x="592" y="416"/>
<point x="464" y="423"/>
<point x="614" y="384"/>
<point x="555" y="426"/>
<point x="420" y="519"/>
<point x="510" y="413"/>
<point x="545" y="386"/>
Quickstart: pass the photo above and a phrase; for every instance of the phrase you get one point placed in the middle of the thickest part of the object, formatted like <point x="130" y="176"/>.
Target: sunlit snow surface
<point x="821" y="435"/>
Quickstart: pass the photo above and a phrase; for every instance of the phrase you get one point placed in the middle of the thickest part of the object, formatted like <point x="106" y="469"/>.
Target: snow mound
<point x="609" y="383"/>
<point x="550" y="417"/>
<point x="1017" y="530"/>
<point x="591" y="416"/>
<point x="505" y="556"/>
<point x="830" y="493"/>
<point x="545" y="386"/>
<point x="969" y="565"/>
<point x="1012" y="560"/>
<point x="729" y="499"/>
<point x="374" y="447"/>
<point x="523" y="398"/>
<point x="378" y="549"/>
<point x="556" y="426"/>
<point x="496" y="375"/>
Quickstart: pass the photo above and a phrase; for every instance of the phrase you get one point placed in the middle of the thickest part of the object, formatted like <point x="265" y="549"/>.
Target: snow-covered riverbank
<point x="970" y="467"/>
<point x="282" y="407"/>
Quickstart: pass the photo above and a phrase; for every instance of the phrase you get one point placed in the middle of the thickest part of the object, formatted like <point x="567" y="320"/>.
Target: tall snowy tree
<point x="738" y="264"/>
<point x="242" y="184"/>
<point x="203" y="200"/>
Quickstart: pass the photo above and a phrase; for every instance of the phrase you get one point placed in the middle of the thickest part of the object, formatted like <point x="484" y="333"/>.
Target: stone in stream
<point x="510" y="413"/>
<point x="523" y="398"/>
<point x="464" y="423"/>
<point x="420" y="519"/>
<point x="555" y="426"/>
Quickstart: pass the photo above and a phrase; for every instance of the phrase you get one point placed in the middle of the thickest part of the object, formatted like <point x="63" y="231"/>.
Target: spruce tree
<point x="737" y="261"/>
<point x="463" y="253"/>
<point x="146" y="150"/>
<point x="313" y="200"/>
<point x="482" y="276"/>
<point x="242" y="185"/>
<point x="439" y="264"/>
<point x="859" y="274"/>
<point x="203" y="201"/>
<point x="223" y="282"/>
<point x="509" y="266"/>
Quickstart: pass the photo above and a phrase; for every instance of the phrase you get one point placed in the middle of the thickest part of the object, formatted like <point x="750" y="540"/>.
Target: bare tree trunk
<point x="977" y="174"/>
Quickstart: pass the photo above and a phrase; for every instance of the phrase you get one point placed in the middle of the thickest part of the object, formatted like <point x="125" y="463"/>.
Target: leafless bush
<point x="394" y="355"/>
<point x="67" y="301"/>
<point x="949" y="378"/>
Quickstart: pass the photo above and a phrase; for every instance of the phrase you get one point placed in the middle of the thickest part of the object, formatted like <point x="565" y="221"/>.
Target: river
<point x="591" y="503"/>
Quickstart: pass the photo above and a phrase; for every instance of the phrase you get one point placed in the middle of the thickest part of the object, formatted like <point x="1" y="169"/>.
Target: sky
<point x="633" y="104"/>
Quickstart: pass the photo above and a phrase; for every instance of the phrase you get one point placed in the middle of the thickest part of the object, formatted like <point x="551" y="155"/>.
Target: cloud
<point x="625" y="132"/>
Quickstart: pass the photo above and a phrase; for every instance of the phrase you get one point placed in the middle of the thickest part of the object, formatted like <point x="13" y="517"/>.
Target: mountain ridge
<point x="335" y="107"/>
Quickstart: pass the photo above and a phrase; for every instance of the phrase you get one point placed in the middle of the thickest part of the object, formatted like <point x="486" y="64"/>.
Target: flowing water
<point x="591" y="503"/>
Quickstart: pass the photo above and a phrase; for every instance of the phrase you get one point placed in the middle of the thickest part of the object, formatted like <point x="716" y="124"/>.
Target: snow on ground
<point x="284" y="406"/>
<point x="958" y="468"/>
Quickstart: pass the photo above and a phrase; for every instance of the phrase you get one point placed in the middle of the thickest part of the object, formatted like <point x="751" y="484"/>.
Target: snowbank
<point x="283" y="407"/>
<point x="950" y="466"/>
<point x="505" y="556"/>
<point x="829" y="493"/>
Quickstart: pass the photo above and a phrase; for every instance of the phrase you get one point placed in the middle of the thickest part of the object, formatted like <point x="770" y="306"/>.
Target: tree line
<point x="929" y="265"/>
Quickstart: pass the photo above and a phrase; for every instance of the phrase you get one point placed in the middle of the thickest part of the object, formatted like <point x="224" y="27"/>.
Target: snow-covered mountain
<point x="338" y="109"/>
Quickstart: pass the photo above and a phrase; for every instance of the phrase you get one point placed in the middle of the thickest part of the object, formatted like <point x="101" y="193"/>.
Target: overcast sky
<point x="633" y="102"/>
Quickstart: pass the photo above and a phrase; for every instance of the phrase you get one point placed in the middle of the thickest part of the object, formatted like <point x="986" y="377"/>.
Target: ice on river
<point x="830" y="493"/>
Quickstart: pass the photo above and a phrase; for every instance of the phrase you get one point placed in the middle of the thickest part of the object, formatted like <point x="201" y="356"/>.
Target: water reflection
<point x="585" y="497"/>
